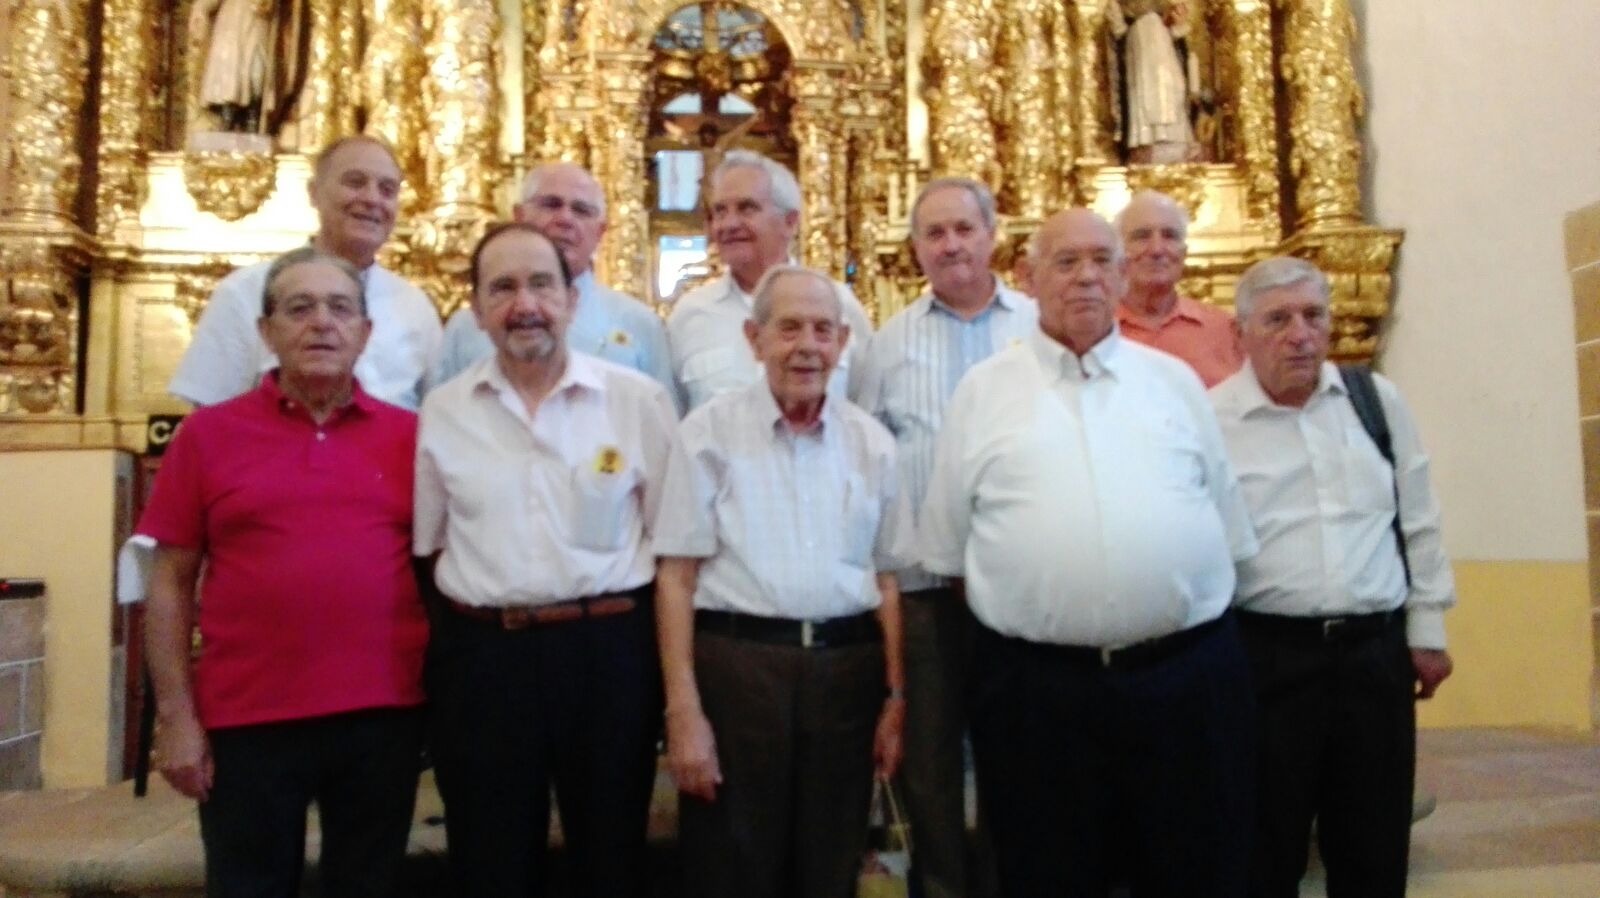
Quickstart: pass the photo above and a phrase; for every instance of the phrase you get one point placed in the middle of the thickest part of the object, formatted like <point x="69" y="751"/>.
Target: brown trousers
<point x="794" y="730"/>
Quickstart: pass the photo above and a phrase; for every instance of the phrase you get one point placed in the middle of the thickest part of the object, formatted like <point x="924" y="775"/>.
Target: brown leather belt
<point x="520" y="617"/>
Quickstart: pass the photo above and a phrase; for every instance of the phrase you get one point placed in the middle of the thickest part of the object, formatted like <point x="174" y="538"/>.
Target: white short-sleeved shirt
<point x="227" y="357"/>
<point x="1322" y="498"/>
<point x="710" y="354"/>
<point x="530" y="511"/>
<point x="1088" y="500"/>
<point x="791" y="525"/>
<point x="606" y="323"/>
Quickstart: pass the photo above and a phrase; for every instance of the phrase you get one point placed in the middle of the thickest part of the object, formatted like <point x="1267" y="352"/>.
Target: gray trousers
<point x="794" y="731"/>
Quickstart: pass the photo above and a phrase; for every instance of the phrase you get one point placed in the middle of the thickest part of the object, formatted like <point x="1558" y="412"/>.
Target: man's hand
<point x="1433" y="666"/>
<point x="183" y="755"/>
<point x="887" y="747"/>
<point x="692" y="753"/>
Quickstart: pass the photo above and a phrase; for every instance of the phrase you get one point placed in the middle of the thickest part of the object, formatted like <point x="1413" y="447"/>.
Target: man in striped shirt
<point x="912" y="367"/>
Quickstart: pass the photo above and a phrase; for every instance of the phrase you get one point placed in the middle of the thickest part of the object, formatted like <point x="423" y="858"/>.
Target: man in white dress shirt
<point x="913" y="365"/>
<point x="753" y="213"/>
<point x="538" y="473"/>
<point x="779" y="616"/>
<point x="1343" y="622"/>
<point x="355" y="187"/>
<point x="1081" y="490"/>
<point x="563" y="201"/>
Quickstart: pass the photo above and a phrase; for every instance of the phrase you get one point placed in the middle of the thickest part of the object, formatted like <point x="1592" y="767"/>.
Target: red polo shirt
<point x="308" y="605"/>
<point x="1200" y="334"/>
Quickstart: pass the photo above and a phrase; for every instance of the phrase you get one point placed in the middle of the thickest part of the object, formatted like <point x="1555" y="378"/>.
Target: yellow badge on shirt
<point x="621" y="338"/>
<point x="608" y="460"/>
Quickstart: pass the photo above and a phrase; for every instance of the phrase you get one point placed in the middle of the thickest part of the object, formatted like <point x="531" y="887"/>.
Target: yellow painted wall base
<point x="56" y="520"/>
<point x="1522" y="642"/>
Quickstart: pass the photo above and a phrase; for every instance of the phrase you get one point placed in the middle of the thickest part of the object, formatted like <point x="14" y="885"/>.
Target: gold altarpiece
<point x="115" y="221"/>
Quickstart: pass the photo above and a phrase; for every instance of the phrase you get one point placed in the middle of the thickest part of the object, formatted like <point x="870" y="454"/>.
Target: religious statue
<point x="254" y="63"/>
<point x="1159" y="80"/>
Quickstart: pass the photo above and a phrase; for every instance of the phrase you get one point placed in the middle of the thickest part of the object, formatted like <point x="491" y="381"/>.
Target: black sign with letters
<point x="158" y="433"/>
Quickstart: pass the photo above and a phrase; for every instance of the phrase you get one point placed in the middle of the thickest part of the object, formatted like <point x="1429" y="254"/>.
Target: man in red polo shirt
<point x="283" y="519"/>
<point x="1155" y="231"/>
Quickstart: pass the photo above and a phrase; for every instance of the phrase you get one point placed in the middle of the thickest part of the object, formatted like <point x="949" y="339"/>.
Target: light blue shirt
<point x="912" y="367"/>
<point x="606" y="323"/>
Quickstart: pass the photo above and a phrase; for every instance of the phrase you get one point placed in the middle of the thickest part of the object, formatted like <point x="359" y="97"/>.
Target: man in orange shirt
<point x="1154" y="231"/>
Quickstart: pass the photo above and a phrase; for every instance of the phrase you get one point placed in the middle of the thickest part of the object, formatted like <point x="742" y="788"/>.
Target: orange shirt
<point x="1200" y="334"/>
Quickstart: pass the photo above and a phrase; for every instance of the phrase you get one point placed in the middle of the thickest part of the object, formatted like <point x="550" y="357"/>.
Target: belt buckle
<point x="518" y="618"/>
<point x="807" y="634"/>
<point x="1330" y="627"/>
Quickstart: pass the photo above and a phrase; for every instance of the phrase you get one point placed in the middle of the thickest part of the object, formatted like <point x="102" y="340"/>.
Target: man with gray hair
<point x="1342" y="611"/>
<point x="752" y="214"/>
<point x="1155" y="232"/>
<point x="778" y="612"/>
<point x="913" y="366"/>
<point x="565" y="203"/>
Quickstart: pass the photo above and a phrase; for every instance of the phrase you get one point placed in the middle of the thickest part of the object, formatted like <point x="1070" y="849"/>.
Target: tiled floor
<point x="1518" y="816"/>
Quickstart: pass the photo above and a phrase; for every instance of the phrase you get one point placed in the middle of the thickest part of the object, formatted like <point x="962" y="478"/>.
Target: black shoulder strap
<point x="1369" y="408"/>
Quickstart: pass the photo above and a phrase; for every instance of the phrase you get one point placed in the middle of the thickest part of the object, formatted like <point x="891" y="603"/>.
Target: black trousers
<point x="1082" y="769"/>
<point x="360" y="768"/>
<point x="794" y="730"/>
<point x="1337" y="744"/>
<point x="573" y="705"/>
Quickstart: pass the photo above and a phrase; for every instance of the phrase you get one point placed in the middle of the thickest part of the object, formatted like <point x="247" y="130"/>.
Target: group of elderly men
<point x="1177" y="627"/>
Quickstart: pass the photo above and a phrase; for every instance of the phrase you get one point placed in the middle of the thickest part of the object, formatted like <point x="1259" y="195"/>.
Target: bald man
<point x="1155" y="232"/>
<point x="565" y="203"/>
<point x="1081" y="491"/>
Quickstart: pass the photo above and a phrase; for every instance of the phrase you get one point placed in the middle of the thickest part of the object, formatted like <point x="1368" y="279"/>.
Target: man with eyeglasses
<point x="295" y="499"/>
<point x="565" y="203"/>
<point x="355" y="187"/>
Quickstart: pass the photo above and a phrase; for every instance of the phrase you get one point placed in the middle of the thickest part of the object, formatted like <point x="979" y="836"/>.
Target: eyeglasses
<point x="300" y="307"/>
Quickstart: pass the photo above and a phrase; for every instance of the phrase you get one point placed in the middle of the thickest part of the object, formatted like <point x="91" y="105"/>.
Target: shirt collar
<point x="734" y="291"/>
<point x="581" y="372"/>
<point x="1001" y="298"/>
<point x="1254" y="398"/>
<point x="1102" y="357"/>
<point x="1185" y="308"/>
<point x="759" y="394"/>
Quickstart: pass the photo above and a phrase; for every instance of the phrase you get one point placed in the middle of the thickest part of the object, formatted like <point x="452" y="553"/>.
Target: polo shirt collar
<point x="1253" y="397"/>
<point x="272" y="394"/>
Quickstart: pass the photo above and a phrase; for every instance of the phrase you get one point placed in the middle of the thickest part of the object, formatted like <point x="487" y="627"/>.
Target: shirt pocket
<point x="600" y="506"/>
<point x="861" y="514"/>
<point x="1176" y="460"/>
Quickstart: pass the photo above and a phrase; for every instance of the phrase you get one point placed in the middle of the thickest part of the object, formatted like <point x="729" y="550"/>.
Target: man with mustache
<point x="1081" y="491"/>
<point x="752" y="212"/>
<point x="563" y="201"/>
<point x="779" y="616"/>
<point x="282" y="520"/>
<point x="539" y="470"/>
<point x="1343" y="610"/>
<point x="913" y="366"/>
<point x="355" y="187"/>
<point x="1155" y="231"/>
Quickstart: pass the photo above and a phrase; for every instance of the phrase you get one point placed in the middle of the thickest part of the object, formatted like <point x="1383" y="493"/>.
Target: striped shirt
<point x="791" y="525"/>
<point x="912" y="367"/>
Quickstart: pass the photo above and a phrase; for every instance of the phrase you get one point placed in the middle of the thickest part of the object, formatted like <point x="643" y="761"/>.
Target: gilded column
<point x="894" y="52"/>
<point x="625" y="119"/>
<point x="127" y="39"/>
<point x="392" y="72"/>
<point x="823" y="149"/>
<point x="533" y="37"/>
<point x="1064" y="74"/>
<point x="49" y="69"/>
<point x="1246" y="49"/>
<point x="1029" y="169"/>
<point x="1324" y="104"/>
<point x="1092" y="103"/>
<point x="327" y="104"/>
<point x="959" y="84"/>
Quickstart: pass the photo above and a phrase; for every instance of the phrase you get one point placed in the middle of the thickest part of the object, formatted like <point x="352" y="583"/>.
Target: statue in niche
<point x="1159" y="80"/>
<point x="254" y="60"/>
